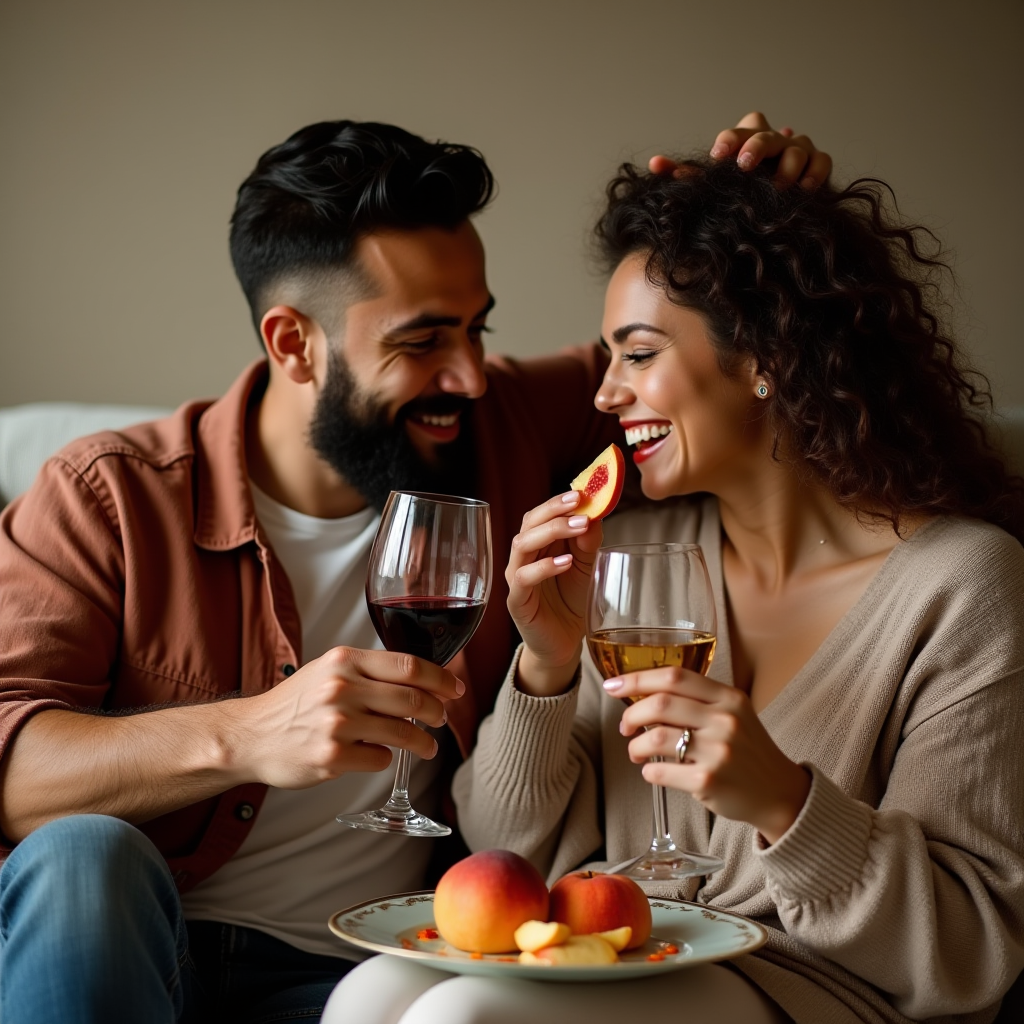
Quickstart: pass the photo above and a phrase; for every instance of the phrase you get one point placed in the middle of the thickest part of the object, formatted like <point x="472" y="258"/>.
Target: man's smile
<point x="441" y="429"/>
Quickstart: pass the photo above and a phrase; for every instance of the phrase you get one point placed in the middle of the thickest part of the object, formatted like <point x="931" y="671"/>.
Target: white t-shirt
<point x="298" y="865"/>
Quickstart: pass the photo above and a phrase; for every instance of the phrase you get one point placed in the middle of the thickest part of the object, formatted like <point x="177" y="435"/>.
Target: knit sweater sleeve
<point x="531" y="784"/>
<point x="922" y="895"/>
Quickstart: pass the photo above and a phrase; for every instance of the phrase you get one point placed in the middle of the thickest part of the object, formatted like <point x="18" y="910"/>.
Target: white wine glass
<point x="427" y="586"/>
<point x="651" y="606"/>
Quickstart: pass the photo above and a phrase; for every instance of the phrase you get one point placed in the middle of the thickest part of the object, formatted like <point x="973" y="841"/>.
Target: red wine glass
<point x="426" y="588"/>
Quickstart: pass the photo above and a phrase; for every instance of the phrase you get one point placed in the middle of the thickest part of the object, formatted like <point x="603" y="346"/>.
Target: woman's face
<point x="689" y="426"/>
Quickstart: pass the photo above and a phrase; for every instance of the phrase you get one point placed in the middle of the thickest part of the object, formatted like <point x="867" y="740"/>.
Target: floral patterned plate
<point x="697" y="933"/>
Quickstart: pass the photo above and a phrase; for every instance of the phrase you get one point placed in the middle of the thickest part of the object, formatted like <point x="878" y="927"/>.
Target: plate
<point x="701" y="935"/>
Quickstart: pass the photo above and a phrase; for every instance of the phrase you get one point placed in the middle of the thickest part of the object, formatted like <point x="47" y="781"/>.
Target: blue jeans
<point x="91" y="930"/>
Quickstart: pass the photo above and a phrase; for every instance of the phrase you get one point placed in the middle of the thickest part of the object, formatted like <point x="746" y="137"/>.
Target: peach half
<point x="600" y="484"/>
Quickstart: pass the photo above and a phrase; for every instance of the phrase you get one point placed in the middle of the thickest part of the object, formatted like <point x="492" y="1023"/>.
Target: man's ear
<point x="290" y="339"/>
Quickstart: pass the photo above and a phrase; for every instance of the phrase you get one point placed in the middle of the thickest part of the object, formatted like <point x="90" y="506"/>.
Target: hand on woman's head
<point x="753" y="141"/>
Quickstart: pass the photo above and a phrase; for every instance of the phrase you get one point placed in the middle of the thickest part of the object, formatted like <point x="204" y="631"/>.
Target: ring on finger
<point x="681" y="745"/>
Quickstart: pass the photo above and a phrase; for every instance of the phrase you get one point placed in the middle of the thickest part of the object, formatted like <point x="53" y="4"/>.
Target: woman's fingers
<point x="537" y="538"/>
<point x="672" y="680"/>
<point x="664" y="741"/>
<point x="559" y="505"/>
<point x="533" y="574"/>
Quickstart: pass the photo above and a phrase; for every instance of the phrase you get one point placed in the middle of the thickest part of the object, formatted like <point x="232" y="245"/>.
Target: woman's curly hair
<point x="826" y="290"/>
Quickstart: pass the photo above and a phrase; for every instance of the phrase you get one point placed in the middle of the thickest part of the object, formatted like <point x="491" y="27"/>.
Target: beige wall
<point x="127" y="126"/>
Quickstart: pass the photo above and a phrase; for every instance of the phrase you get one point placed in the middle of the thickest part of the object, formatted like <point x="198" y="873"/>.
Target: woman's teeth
<point x="648" y="432"/>
<point x="440" y="421"/>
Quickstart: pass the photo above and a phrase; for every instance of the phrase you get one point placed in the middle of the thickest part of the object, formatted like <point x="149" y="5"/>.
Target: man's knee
<point x="93" y="865"/>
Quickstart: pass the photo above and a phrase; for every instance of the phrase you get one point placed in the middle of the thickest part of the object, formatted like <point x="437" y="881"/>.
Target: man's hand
<point x="340" y="713"/>
<point x="336" y="714"/>
<point x="753" y="140"/>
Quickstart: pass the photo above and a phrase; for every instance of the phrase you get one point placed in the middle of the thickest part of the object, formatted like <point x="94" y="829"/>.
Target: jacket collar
<point x="225" y="516"/>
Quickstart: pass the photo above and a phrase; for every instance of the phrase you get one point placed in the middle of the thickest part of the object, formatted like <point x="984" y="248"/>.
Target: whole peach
<point x="483" y="899"/>
<point x="589" y="902"/>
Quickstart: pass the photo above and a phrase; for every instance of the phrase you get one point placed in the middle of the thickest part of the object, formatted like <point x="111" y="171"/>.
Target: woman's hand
<point x="548" y="573"/>
<point x="754" y="140"/>
<point x="732" y="765"/>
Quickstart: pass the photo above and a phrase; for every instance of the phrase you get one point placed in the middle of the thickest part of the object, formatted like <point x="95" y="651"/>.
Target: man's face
<point x="391" y="411"/>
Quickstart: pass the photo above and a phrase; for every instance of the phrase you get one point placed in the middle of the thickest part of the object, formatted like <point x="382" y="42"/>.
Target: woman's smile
<point x="647" y="436"/>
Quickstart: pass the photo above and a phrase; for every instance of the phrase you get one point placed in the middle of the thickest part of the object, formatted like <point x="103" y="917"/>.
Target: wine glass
<point x="426" y="589"/>
<point x="651" y="605"/>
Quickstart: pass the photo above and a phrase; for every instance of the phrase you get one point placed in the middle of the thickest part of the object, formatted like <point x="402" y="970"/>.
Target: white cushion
<point x="30" y="434"/>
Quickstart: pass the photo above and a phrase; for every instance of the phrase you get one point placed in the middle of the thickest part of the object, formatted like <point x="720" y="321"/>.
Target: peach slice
<point x="576" y="950"/>
<point x="533" y="935"/>
<point x="600" y="484"/>
<point x="617" y="938"/>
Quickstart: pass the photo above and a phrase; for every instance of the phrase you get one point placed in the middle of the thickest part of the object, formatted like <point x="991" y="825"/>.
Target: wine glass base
<point x="409" y="824"/>
<point x="670" y="866"/>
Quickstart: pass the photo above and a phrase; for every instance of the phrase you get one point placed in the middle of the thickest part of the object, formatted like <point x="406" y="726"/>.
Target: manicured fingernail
<point x="745" y="161"/>
<point x="577" y="522"/>
<point x="808" y="182"/>
<point x="562" y="559"/>
<point x="444" y="717"/>
<point x="611" y="685"/>
<point x="433" y="753"/>
<point x="719" y="149"/>
<point x="571" y="497"/>
<point x="460" y="687"/>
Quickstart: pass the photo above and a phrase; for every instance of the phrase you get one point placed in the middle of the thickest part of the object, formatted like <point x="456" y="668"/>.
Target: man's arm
<point x="337" y="714"/>
<point x="62" y="595"/>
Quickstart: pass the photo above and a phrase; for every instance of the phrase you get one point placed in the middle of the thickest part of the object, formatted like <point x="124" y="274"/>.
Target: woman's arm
<point x="923" y="897"/>
<point x="532" y="783"/>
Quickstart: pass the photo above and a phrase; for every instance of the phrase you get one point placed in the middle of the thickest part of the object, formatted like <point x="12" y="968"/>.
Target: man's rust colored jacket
<point x="134" y="574"/>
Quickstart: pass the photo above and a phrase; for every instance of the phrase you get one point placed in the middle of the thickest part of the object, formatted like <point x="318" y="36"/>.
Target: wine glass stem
<point x="398" y="802"/>
<point x="662" y="841"/>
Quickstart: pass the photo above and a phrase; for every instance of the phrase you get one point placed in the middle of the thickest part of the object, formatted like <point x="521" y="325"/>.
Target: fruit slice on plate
<point x="600" y="484"/>
<point x="533" y="935"/>
<point x="577" y="949"/>
<point x="617" y="938"/>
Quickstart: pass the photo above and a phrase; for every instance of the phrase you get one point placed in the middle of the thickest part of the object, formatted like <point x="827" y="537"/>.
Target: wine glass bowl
<point x="652" y="606"/>
<point x="427" y="585"/>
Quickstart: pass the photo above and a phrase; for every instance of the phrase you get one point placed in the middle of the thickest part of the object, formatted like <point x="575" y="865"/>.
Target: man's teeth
<point x="440" y="421"/>
<point x="648" y="432"/>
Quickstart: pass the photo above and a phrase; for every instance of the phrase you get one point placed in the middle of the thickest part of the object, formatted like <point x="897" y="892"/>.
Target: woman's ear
<point x="291" y="338"/>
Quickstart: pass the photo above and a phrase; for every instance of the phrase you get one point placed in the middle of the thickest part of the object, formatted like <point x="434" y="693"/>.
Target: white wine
<point x="634" y="649"/>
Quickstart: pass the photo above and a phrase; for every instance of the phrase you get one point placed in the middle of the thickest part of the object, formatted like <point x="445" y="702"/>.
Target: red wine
<point x="432" y="628"/>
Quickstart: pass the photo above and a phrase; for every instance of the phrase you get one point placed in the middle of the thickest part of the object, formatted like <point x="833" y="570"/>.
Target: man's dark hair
<point x="832" y="296"/>
<point x="310" y="199"/>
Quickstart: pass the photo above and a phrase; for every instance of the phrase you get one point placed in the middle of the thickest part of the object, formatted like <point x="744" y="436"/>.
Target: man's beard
<point x="351" y="433"/>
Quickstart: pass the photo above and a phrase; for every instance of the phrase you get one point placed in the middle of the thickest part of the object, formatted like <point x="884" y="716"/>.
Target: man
<point x="173" y="853"/>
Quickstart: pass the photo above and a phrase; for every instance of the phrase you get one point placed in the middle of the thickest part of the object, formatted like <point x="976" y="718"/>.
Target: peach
<point x="590" y="903"/>
<point x="600" y="484"/>
<point x="484" y="898"/>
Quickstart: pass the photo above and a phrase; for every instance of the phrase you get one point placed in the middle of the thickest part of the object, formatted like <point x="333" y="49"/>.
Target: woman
<point x="856" y="754"/>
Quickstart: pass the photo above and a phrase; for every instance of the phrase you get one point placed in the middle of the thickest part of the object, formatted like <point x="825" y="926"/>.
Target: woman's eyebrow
<point x="620" y="334"/>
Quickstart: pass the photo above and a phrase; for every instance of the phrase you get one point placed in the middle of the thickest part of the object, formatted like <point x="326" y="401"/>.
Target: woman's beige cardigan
<point x="899" y="891"/>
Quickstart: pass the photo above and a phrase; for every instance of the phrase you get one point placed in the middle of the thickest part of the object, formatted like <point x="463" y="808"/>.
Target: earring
<point x="762" y="390"/>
